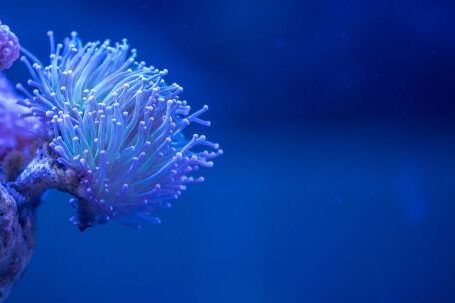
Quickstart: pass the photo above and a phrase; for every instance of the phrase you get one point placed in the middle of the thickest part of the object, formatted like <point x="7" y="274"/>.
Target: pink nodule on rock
<point x="9" y="47"/>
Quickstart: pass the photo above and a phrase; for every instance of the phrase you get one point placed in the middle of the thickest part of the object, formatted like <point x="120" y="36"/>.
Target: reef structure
<point x="107" y="129"/>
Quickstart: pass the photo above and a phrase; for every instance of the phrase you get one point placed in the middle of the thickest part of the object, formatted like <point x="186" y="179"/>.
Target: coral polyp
<point x="120" y="124"/>
<point x="9" y="47"/>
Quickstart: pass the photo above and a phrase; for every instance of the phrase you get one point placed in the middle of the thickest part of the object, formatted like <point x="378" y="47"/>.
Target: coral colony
<point x="98" y="124"/>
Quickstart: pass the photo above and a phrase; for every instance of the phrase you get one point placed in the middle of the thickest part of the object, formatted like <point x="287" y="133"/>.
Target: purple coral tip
<point x="9" y="47"/>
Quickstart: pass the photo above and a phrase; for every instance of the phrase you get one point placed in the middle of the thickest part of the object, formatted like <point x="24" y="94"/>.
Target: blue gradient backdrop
<point x="337" y="183"/>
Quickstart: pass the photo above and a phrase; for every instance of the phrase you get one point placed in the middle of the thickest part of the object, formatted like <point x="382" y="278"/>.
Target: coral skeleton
<point x="102" y="126"/>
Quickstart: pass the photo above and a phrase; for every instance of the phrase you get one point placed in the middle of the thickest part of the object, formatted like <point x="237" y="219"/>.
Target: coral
<point x="119" y="123"/>
<point x="99" y="125"/>
<point x="9" y="47"/>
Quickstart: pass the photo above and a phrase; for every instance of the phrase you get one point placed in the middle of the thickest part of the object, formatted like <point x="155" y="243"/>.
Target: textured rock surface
<point x="18" y="202"/>
<point x="17" y="220"/>
<point x="45" y="172"/>
<point x="17" y="238"/>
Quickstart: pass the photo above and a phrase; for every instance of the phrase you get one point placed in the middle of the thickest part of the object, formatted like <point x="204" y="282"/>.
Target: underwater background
<point x="337" y="182"/>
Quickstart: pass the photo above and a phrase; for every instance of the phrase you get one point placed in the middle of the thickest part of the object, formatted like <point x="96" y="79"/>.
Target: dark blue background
<point x="337" y="183"/>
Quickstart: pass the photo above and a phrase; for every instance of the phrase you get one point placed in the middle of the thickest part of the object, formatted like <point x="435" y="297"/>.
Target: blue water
<point x="337" y="183"/>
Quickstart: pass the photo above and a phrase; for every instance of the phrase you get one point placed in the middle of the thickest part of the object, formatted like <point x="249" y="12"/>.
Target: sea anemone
<point x="119" y="123"/>
<point x="9" y="47"/>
